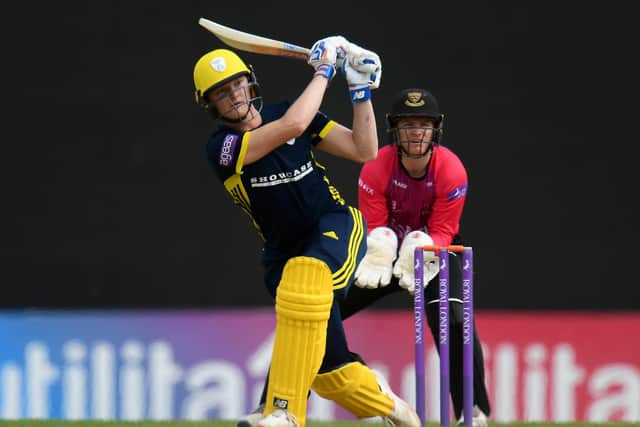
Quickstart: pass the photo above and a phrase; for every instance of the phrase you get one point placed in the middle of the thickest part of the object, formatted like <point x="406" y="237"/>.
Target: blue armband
<point x="359" y="93"/>
<point x="326" y="70"/>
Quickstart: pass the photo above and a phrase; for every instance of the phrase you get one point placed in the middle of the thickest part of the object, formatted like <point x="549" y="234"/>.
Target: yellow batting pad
<point x="303" y="305"/>
<point x="354" y="387"/>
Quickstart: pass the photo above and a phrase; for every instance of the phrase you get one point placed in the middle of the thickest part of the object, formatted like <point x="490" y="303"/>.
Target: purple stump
<point x="418" y="321"/>
<point x="467" y="334"/>
<point x="443" y="337"/>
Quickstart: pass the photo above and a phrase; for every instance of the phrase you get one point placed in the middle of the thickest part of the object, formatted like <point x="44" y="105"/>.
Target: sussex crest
<point x="414" y="99"/>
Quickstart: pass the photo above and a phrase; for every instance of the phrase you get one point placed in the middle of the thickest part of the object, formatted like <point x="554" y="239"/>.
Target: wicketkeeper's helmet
<point x="415" y="102"/>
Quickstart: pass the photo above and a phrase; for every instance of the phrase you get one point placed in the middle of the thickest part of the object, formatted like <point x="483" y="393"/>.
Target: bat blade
<point x="252" y="43"/>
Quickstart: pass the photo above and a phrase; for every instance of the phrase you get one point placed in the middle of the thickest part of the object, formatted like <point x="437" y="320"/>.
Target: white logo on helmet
<point x="219" y="64"/>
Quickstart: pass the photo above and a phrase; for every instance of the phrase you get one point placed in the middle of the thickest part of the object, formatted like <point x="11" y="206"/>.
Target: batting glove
<point x="404" y="268"/>
<point x="324" y="54"/>
<point x="363" y="71"/>
<point x="341" y="45"/>
<point x="368" y="62"/>
<point x="362" y="60"/>
<point x="375" y="268"/>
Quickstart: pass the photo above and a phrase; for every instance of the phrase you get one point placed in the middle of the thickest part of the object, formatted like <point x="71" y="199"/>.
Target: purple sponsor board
<point x="210" y="365"/>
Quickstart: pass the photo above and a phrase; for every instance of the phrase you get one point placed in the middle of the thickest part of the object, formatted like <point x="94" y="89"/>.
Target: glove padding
<point x="326" y="50"/>
<point x="341" y="45"/>
<point x="360" y="66"/>
<point x="404" y="268"/>
<point x="375" y="268"/>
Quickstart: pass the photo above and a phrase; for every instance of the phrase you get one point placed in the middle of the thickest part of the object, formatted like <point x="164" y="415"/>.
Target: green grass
<point x="217" y="423"/>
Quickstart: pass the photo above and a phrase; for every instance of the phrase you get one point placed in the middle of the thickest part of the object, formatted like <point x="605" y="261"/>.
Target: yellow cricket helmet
<point x="216" y="68"/>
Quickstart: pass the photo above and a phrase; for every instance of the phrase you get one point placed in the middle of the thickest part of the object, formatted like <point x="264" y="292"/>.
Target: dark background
<point x="108" y="200"/>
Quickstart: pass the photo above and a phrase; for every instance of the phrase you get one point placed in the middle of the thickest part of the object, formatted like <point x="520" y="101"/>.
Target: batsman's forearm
<point x="304" y="109"/>
<point x="365" y="135"/>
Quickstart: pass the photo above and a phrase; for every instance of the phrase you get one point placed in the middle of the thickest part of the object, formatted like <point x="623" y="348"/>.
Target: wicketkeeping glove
<point x="404" y="268"/>
<point x="375" y="268"/>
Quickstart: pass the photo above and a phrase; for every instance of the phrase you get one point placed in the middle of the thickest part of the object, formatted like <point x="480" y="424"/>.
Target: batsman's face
<point x="414" y="135"/>
<point x="232" y="100"/>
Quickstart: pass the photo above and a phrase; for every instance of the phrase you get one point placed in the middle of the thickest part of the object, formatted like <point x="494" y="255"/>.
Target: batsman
<point x="313" y="241"/>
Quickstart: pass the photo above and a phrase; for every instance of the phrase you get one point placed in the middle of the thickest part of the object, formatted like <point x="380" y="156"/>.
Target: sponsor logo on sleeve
<point x="227" y="149"/>
<point x="457" y="192"/>
<point x="365" y="187"/>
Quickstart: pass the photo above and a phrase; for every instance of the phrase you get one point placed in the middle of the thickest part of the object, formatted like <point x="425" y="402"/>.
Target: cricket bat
<point x="252" y="43"/>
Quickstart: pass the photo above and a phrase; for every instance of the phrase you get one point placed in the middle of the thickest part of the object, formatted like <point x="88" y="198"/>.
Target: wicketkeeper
<point x="413" y="195"/>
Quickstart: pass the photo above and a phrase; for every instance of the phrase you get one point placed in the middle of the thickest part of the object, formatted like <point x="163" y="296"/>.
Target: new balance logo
<point x="280" y="403"/>
<point x="359" y="94"/>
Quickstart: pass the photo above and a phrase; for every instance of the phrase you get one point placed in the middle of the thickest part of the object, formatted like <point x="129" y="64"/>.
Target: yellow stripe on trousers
<point x="340" y="278"/>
